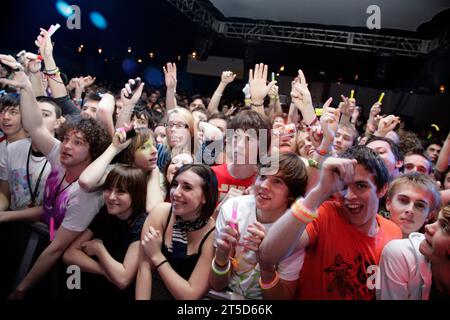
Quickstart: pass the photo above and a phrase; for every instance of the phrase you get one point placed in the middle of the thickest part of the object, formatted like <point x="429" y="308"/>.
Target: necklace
<point x="33" y="194"/>
<point x="57" y="193"/>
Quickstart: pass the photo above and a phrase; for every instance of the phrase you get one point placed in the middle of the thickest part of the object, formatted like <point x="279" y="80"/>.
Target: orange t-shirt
<point x="338" y="256"/>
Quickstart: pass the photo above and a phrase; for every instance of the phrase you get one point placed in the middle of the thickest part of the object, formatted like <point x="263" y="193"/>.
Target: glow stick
<point x="234" y="214"/>
<point x="53" y="29"/>
<point x="352" y="94"/>
<point x="381" y="97"/>
<point x="52" y="228"/>
<point x="273" y="76"/>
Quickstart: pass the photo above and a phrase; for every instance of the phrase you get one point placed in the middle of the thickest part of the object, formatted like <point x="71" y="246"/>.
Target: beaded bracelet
<point x="301" y="213"/>
<point x="270" y="285"/>
<point x="220" y="272"/>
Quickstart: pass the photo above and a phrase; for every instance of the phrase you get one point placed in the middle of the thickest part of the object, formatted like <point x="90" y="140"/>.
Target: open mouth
<point x="263" y="196"/>
<point x="354" y="207"/>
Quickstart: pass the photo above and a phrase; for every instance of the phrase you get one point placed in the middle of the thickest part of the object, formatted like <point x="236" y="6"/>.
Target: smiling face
<point x="343" y="139"/>
<point x="146" y="156"/>
<point x="186" y="195"/>
<point x="361" y="198"/>
<point x="409" y="207"/>
<point x="178" y="134"/>
<point x="304" y="145"/>
<point x="272" y="194"/>
<point x="118" y="202"/>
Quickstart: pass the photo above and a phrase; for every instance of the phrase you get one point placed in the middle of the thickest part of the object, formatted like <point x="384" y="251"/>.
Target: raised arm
<point x="444" y="156"/>
<point x="93" y="177"/>
<point x="128" y="103"/>
<point x="105" y="112"/>
<point x="154" y="195"/>
<point x="301" y="97"/>
<point x="288" y="230"/>
<point x="259" y="88"/>
<point x="44" y="43"/>
<point x="31" y="115"/>
<point x="170" y="76"/>
<point x="226" y="78"/>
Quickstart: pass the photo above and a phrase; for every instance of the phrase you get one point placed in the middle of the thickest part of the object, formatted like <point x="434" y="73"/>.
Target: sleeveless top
<point x="183" y="268"/>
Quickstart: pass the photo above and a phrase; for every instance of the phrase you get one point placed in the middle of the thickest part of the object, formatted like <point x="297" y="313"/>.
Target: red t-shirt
<point x="338" y="256"/>
<point x="225" y="181"/>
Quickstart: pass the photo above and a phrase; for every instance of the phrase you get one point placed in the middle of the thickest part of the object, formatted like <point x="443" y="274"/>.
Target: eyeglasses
<point x="179" y="125"/>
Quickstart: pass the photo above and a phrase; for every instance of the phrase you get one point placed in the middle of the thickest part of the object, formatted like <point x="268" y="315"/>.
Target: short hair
<point x="9" y="101"/>
<point x="218" y="115"/>
<point x="293" y="172"/>
<point x="93" y="97"/>
<point x="352" y="129"/>
<point x="446" y="213"/>
<point x="395" y="150"/>
<point x="421" y="152"/>
<point x="95" y="134"/>
<point x="417" y="180"/>
<point x="132" y="180"/>
<point x="408" y="141"/>
<point x="428" y="143"/>
<point x="210" y="186"/>
<point x="370" y="160"/>
<point x="200" y="109"/>
<point x="50" y="100"/>
<point x="250" y="119"/>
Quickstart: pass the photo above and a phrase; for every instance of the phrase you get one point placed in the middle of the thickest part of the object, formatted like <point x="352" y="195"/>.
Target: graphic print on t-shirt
<point x="348" y="278"/>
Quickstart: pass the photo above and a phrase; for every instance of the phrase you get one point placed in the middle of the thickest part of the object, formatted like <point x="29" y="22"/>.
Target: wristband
<point x="314" y="164"/>
<point x="218" y="271"/>
<point x="160" y="264"/>
<point x="301" y="213"/>
<point x="322" y="152"/>
<point x="270" y="285"/>
<point x="257" y="104"/>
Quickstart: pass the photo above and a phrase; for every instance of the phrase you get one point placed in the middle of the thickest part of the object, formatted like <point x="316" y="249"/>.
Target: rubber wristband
<point x="160" y="264"/>
<point x="270" y="285"/>
<point x="220" y="272"/>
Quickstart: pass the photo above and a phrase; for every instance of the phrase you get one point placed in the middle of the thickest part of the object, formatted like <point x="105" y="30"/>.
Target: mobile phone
<point x="133" y="87"/>
<point x="289" y="130"/>
<point x="130" y="134"/>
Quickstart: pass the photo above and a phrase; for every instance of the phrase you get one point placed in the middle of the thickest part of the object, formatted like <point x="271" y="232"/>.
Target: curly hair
<point x="95" y="134"/>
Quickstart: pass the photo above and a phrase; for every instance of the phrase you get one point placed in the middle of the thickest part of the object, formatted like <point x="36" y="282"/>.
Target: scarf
<point x="179" y="235"/>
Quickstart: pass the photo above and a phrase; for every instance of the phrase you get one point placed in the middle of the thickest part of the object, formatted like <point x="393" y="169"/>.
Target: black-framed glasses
<point x="177" y="125"/>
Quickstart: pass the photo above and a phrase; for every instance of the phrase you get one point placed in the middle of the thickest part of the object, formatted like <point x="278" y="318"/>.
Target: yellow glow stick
<point x="352" y="94"/>
<point x="381" y="97"/>
<point x="273" y="76"/>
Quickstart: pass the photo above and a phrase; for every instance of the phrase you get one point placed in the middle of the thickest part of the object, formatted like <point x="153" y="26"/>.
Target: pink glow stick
<point x="53" y="29"/>
<point x="52" y="228"/>
<point x="234" y="214"/>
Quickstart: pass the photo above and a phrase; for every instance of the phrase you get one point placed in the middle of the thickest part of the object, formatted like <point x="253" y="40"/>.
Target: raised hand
<point x="301" y="97"/>
<point x="347" y="106"/>
<point x="227" y="77"/>
<point x="126" y="91"/>
<point x="329" y="121"/>
<point x="44" y="43"/>
<point x="20" y="79"/>
<point x="336" y="173"/>
<point x="387" y="124"/>
<point x="170" y="75"/>
<point x="257" y="81"/>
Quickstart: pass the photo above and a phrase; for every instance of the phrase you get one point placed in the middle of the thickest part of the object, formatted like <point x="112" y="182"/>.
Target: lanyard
<point x="33" y="193"/>
<point x="57" y="193"/>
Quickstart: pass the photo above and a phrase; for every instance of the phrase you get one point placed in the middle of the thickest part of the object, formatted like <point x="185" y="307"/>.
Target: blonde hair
<point x="186" y="115"/>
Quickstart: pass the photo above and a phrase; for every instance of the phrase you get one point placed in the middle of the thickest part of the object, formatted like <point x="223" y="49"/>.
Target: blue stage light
<point x="98" y="20"/>
<point x="154" y="76"/>
<point x="64" y="8"/>
<point x="130" y="67"/>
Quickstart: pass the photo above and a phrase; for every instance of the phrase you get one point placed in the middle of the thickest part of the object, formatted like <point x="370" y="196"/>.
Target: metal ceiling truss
<point x="303" y="36"/>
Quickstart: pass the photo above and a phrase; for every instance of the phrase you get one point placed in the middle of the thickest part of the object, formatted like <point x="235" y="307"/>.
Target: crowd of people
<point x="160" y="196"/>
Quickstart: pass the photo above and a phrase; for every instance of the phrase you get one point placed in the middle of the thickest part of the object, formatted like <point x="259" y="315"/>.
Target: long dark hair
<point x="210" y="187"/>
